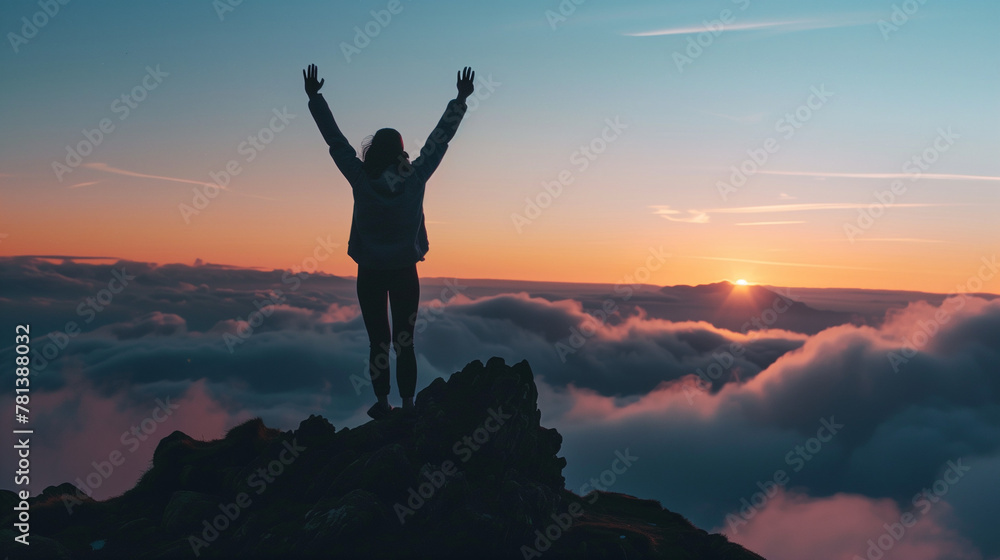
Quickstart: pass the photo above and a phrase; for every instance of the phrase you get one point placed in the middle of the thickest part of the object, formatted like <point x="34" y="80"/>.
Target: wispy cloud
<point x="87" y="184"/>
<point x="777" y="263"/>
<point x="829" y="175"/>
<point x="899" y="240"/>
<point x="703" y="216"/>
<point x="809" y="207"/>
<point x="109" y="169"/>
<point x="770" y="223"/>
<point x="778" y="25"/>
<point x="692" y="216"/>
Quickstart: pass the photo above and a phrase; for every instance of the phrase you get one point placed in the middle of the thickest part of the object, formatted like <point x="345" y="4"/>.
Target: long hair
<point x="382" y="150"/>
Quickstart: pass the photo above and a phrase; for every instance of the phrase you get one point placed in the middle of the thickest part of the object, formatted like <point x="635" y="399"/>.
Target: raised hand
<point x="312" y="84"/>
<point x="465" y="85"/>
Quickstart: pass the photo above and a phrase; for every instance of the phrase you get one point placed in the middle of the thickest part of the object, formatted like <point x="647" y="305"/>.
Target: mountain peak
<point x="471" y="474"/>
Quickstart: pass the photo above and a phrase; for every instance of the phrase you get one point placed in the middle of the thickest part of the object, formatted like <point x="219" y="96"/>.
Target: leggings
<point x="402" y="287"/>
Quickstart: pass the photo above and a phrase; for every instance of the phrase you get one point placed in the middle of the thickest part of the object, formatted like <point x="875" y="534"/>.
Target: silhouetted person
<point x="388" y="236"/>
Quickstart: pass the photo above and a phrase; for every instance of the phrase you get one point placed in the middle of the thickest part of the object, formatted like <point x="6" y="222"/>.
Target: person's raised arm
<point x="437" y="143"/>
<point x="343" y="153"/>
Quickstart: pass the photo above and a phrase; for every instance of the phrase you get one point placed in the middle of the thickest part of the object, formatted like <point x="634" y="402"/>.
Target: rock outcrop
<point x="471" y="474"/>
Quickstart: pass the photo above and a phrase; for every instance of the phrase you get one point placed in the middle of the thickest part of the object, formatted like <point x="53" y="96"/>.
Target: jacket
<point x="387" y="228"/>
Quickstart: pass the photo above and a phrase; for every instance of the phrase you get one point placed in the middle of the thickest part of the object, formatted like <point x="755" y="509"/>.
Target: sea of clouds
<point x="876" y="441"/>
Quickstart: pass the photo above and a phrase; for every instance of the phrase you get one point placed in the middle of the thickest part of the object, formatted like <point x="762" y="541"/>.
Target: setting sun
<point x="741" y="282"/>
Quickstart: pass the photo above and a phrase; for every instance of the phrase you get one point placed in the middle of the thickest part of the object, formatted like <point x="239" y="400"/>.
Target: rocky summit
<point x="469" y="474"/>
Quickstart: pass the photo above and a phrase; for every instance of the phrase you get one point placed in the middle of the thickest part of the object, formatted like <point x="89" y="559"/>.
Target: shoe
<point x="379" y="410"/>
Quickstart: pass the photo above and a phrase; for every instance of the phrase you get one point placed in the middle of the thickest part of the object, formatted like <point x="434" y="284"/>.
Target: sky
<point x="644" y="115"/>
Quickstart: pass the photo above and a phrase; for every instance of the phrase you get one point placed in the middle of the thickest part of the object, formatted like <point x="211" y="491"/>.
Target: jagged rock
<point x="314" y="429"/>
<point x="42" y="548"/>
<point x="186" y="510"/>
<point x="471" y="475"/>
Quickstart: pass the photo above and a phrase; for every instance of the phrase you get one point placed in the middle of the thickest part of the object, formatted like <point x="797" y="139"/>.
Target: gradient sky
<point x="654" y="186"/>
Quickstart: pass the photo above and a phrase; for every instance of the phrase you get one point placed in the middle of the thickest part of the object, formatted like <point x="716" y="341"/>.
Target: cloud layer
<point x="860" y="420"/>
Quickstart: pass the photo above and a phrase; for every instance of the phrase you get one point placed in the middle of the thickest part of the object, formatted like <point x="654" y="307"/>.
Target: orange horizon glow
<point x="138" y="219"/>
<point x="343" y="266"/>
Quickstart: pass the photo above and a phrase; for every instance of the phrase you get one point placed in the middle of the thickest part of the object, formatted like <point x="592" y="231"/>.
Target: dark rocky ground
<point x="404" y="486"/>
